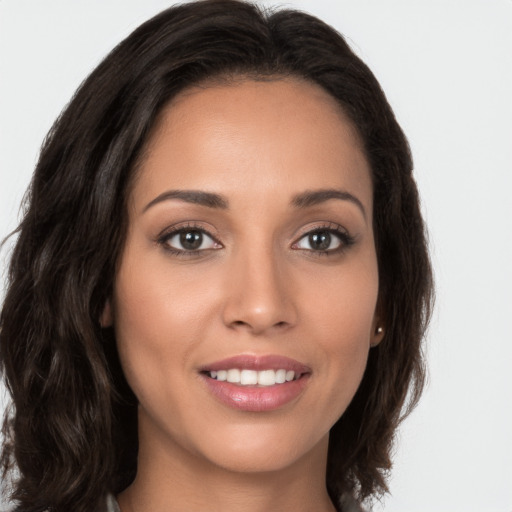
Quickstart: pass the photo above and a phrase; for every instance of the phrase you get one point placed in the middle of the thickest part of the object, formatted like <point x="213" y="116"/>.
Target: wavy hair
<point x="71" y="433"/>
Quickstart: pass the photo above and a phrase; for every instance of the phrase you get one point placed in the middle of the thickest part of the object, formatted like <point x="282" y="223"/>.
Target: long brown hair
<point x="72" y="431"/>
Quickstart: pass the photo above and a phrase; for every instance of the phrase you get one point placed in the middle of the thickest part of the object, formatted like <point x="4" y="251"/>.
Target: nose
<point x="259" y="294"/>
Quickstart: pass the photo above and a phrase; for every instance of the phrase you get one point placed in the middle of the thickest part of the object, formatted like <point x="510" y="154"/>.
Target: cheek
<point x="342" y="304"/>
<point x="159" y="326"/>
<point x="341" y="319"/>
<point x="151" y="301"/>
<point x="146" y="311"/>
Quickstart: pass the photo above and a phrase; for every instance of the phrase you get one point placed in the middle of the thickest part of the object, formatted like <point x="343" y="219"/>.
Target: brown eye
<point x="320" y="240"/>
<point x="190" y="240"/>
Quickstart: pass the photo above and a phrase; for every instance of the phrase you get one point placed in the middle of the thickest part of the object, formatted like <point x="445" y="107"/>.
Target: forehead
<point x="283" y="135"/>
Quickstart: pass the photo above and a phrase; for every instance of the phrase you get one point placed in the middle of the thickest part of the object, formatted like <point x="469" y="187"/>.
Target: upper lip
<point x="258" y="363"/>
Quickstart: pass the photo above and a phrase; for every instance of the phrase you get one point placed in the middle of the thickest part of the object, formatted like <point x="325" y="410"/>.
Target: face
<point x="244" y="304"/>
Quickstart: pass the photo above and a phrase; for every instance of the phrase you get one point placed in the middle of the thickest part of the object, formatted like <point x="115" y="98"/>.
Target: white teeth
<point x="267" y="378"/>
<point x="280" y="376"/>
<point x="234" y="376"/>
<point x="248" y="377"/>
<point x="253" y="377"/>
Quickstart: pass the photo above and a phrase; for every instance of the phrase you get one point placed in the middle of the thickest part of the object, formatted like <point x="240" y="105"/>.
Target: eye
<point x="188" y="240"/>
<point x="319" y="241"/>
<point x="324" y="240"/>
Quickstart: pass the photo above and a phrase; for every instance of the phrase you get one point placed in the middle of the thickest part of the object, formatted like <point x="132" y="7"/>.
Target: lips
<point x="256" y="383"/>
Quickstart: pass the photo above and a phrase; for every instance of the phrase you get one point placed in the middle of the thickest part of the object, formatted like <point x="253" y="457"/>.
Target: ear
<point x="107" y="318"/>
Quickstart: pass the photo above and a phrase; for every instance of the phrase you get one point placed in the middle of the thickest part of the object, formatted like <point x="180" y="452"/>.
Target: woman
<point x="221" y="282"/>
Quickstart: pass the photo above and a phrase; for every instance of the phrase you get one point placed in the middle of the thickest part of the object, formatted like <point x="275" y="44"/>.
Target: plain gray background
<point x="446" y="68"/>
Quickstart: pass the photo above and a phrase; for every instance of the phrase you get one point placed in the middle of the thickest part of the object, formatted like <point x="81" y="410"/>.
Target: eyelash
<point x="345" y="240"/>
<point x="164" y="238"/>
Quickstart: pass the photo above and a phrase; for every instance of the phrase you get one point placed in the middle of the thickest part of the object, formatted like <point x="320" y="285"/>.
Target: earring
<point x="378" y="331"/>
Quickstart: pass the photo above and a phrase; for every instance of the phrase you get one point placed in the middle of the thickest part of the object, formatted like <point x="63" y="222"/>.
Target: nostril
<point x="241" y="323"/>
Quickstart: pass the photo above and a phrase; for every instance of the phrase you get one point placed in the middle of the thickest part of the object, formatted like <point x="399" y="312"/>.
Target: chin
<point x="262" y="449"/>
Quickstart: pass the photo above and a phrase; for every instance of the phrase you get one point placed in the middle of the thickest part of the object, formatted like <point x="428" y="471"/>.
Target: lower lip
<point x="253" y="398"/>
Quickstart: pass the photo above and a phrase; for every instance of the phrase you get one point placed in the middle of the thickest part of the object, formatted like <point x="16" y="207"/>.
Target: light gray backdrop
<point x="446" y="66"/>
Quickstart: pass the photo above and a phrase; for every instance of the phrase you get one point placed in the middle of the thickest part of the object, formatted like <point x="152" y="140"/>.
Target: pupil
<point x="191" y="240"/>
<point x="320" y="241"/>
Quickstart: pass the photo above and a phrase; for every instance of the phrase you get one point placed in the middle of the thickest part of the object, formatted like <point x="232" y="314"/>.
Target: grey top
<point x="112" y="505"/>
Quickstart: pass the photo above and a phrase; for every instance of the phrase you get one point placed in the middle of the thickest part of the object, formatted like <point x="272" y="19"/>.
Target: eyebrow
<point x="314" y="197"/>
<point x="211" y="200"/>
<point x="207" y="199"/>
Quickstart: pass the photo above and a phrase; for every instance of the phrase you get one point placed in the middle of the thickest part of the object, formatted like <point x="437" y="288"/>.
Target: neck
<point x="171" y="478"/>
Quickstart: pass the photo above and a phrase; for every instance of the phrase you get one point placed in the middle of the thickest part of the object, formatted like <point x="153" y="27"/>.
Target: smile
<point x="256" y="383"/>
<point x="253" y="377"/>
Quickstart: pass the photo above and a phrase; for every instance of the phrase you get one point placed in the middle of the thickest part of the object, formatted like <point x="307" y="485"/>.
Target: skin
<point x="255" y="287"/>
